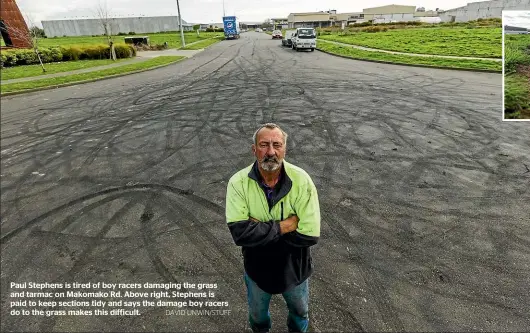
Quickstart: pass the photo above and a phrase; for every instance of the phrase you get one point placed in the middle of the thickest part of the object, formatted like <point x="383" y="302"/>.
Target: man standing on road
<point x="273" y="213"/>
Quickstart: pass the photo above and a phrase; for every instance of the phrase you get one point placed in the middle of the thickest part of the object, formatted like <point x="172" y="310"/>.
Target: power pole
<point x="180" y="26"/>
<point x="224" y="12"/>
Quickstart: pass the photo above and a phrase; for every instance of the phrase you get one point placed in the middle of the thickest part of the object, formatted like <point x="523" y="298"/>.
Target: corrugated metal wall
<point x="484" y="9"/>
<point x="89" y="27"/>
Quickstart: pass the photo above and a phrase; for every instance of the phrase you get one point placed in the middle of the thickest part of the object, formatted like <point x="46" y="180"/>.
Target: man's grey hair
<point x="269" y="126"/>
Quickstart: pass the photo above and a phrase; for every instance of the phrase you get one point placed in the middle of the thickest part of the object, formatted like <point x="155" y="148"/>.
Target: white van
<point x="304" y="38"/>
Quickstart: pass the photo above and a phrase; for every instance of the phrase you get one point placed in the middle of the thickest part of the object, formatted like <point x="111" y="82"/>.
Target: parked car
<point x="304" y="38"/>
<point x="277" y="34"/>
<point x="286" y="41"/>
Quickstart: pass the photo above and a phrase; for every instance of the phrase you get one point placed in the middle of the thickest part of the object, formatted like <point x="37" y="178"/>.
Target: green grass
<point x="410" y="60"/>
<point x="517" y="76"/>
<point x="18" y="72"/>
<point x="516" y="52"/>
<point x="202" y="44"/>
<point x="484" y="42"/>
<point x="158" y="61"/>
<point x="516" y="96"/>
<point x="173" y="39"/>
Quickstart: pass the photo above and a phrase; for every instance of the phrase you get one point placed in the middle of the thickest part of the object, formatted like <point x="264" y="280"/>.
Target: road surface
<point x="424" y="191"/>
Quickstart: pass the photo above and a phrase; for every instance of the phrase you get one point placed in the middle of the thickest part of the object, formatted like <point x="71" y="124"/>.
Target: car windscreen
<point x="306" y="33"/>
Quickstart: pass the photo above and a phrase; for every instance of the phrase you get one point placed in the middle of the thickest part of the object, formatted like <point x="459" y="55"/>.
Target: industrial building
<point x="382" y="14"/>
<point x="483" y="9"/>
<point x="90" y="27"/>
<point x="280" y="23"/>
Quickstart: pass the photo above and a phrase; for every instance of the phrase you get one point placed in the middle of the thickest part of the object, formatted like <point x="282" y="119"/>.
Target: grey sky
<point x="516" y="18"/>
<point x="208" y="11"/>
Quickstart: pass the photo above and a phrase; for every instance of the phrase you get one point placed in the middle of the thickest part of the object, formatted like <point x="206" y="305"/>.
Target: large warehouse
<point x="90" y="27"/>
<point x="383" y="14"/>
<point x="483" y="9"/>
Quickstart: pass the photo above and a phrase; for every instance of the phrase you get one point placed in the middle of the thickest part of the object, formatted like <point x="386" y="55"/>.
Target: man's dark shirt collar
<point x="282" y="187"/>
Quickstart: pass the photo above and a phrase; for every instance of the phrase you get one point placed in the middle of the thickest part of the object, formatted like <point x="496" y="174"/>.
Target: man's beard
<point x="270" y="163"/>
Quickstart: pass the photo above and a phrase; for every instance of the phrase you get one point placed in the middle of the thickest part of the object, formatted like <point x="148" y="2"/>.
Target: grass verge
<point x="62" y="80"/>
<point x="18" y="72"/>
<point x="483" y="42"/>
<point x="516" y="97"/>
<point x="202" y="44"/>
<point x="517" y="76"/>
<point x="354" y="53"/>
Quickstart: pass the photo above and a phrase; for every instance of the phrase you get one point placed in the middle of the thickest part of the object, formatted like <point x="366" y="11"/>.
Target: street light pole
<point x="180" y="26"/>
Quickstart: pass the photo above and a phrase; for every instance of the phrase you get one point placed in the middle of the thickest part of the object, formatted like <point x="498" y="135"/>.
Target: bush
<point x="8" y="59"/>
<point x="56" y="54"/>
<point x="71" y="53"/>
<point x="132" y="33"/>
<point x="374" y="29"/>
<point x="95" y="52"/>
<point x="45" y="55"/>
<point x="28" y="57"/>
<point x="124" y="51"/>
<point x="25" y="57"/>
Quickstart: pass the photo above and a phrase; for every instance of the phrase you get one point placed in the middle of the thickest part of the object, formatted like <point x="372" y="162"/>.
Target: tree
<point x="267" y="24"/>
<point x="197" y="27"/>
<point x="107" y="24"/>
<point x="37" y="32"/>
<point x="30" y="36"/>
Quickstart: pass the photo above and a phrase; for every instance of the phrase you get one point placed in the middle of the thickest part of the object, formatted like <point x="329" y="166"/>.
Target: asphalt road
<point x="424" y="190"/>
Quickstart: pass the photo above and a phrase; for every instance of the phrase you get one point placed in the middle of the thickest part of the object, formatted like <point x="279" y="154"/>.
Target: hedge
<point x="20" y="57"/>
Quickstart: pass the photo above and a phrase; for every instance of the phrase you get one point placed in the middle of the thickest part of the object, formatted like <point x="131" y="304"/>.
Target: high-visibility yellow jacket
<point x="275" y="262"/>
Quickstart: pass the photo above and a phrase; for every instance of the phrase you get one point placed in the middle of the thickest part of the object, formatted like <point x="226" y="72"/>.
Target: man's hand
<point x="289" y="224"/>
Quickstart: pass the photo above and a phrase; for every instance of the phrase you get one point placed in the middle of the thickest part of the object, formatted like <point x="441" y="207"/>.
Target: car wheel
<point x="312" y="49"/>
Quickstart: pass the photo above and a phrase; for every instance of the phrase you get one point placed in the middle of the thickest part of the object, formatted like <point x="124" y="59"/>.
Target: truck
<point x="304" y="38"/>
<point x="231" y="27"/>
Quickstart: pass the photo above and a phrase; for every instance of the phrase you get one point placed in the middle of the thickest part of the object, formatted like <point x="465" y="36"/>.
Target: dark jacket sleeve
<point x="297" y="239"/>
<point x="250" y="234"/>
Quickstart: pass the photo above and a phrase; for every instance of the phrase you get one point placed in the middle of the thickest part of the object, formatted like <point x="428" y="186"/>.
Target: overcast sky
<point x="208" y="11"/>
<point x="515" y="18"/>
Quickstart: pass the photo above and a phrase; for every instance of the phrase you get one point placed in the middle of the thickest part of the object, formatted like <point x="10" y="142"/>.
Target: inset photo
<point x="516" y="64"/>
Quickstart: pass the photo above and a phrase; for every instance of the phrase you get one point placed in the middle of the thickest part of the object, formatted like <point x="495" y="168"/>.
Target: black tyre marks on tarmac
<point x="422" y="190"/>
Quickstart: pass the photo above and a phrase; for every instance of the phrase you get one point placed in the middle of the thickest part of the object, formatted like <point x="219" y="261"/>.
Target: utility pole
<point x="224" y="12"/>
<point x="180" y="26"/>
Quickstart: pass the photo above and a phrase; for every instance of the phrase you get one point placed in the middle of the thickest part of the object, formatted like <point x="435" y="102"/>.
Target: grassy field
<point x="410" y="60"/>
<point x="202" y="44"/>
<point x="18" y="72"/>
<point x="173" y="39"/>
<point x="154" y="62"/>
<point x="517" y="76"/>
<point x="485" y="42"/>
